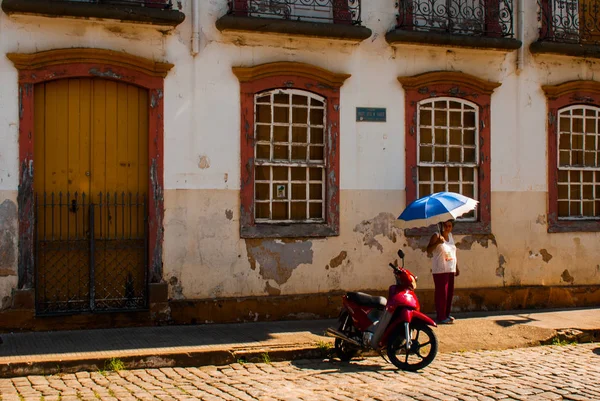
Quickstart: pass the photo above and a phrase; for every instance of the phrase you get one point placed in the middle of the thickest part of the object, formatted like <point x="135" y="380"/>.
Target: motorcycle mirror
<point x="400" y="253"/>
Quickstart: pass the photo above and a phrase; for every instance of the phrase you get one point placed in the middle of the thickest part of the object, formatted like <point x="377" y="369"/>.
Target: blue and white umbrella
<point x="436" y="208"/>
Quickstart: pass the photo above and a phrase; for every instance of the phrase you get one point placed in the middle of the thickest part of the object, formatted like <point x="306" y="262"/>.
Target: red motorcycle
<point x="396" y="325"/>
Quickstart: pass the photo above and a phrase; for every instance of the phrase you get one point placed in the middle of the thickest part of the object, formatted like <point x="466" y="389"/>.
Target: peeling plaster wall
<point x="204" y="256"/>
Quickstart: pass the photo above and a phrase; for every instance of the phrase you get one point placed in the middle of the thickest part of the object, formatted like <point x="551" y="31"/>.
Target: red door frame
<point x="89" y="63"/>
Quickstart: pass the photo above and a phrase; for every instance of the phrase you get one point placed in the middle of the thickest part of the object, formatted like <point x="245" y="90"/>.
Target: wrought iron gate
<point x="91" y="252"/>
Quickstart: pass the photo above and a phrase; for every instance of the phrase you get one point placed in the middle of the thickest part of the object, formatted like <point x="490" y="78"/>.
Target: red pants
<point x="444" y="291"/>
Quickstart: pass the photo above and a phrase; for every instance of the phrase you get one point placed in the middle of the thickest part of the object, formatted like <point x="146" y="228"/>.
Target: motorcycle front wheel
<point x="420" y="354"/>
<point x="343" y="349"/>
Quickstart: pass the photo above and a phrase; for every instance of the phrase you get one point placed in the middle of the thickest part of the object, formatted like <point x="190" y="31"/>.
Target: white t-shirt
<point x="444" y="257"/>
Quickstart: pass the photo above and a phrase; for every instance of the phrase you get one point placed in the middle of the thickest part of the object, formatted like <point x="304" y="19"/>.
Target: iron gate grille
<point x="91" y="253"/>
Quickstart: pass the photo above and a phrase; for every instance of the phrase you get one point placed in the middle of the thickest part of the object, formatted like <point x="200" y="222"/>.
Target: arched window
<point x="289" y="156"/>
<point x="578" y="163"/>
<point x="448" y="154"/>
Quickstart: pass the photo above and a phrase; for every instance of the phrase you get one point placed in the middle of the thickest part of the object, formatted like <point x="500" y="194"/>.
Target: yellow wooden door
<point x="91" y="159"/>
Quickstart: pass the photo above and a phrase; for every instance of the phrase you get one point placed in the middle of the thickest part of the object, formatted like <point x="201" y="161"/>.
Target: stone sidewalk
<point x="219" y="344"/>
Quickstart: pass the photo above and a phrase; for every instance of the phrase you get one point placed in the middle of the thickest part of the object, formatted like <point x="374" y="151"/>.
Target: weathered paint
<point x="337" y="261"/>
<point x="8" y="238"/>
<point x="200" y="106"/>
<point x="277" y="259"/>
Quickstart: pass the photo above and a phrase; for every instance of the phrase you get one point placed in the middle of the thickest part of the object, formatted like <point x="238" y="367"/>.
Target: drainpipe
<point x="521" y="34"/>
<point x="195" y="26"/>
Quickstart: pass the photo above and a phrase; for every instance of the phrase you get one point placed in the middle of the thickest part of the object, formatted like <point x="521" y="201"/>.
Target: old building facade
<point x="213" y="161"/>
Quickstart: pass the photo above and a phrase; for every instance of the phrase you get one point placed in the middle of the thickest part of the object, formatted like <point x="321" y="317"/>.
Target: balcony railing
<point x="491" y="18"/>
<point x="326" y="11"/>
<point x="570" y="21"/>
<point x="165" y="4"/>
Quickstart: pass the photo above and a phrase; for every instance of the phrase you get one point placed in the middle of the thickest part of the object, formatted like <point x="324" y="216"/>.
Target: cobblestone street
<point x="542" y="373"/>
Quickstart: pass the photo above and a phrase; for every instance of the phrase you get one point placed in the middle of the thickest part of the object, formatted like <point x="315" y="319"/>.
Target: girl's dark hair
<point x="441" y="224"/>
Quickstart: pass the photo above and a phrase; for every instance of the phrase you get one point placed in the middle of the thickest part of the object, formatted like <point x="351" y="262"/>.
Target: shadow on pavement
<point x="596" y="351"/>
<point x="512" y="322"/>
<point x="336" y="366"/>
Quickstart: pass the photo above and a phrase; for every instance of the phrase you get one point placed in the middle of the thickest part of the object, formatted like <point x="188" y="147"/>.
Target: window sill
<point x="476" y="228"/>
<point x="399" y="36"/>
<point x="235" y="23"/>
<point x="288" y="231"/>
<point x="125" y="13"/>
<point x="565" y="49"/>
<point x="562" y="226"/>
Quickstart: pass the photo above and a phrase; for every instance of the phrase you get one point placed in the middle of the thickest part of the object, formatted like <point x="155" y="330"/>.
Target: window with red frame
<point x="573" y="156"/>
<point x="447" y="117"/>
<point x="290" y="118"/>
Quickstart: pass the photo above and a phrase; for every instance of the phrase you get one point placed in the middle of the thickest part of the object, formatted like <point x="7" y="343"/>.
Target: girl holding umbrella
<point x="444" y="268"/>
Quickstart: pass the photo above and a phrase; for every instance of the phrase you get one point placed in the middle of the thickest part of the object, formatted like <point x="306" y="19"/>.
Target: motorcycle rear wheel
<point x="343" y="349"/>
<point x="414" y="359"/>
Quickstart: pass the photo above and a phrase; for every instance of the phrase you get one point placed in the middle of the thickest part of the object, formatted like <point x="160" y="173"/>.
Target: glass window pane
<point x="563" y="209"/>
<point x="468" y="174"/>
<point x="564" y="141"/>
<point x="316" y="116"/>
<point x="280" y="173"/>
<point x="455" y="119"/>
<point x="316" y="153"/>
<point x="298" y="191"/>
<point x="263" y="152"/>
<point x="280" y="152"/>
<point x="281" y="115"/>
<point x="453" y="174"/>
<point x="315" y="191"/>
<point x="263" y="132"/>
<point x="469" y="155"/>
<point x="425" y="117"/>
<point x="441" y="118"/>
<point x="425" y="155"/>
<point x="469" y="120"/>
<point x="455" y="155"/>
<point x="424" y="174"/>
<point x="563" y="192"/>
<point x="299" y="134"/>
<point x="300" y="115"/>
<point x="264" y="99"/>
<point x="440" y="154"/>
<point x="425" y="136"/>
<point x="298" y="173"/>
<point x="280" y="133"/>
<point x="298" y="210"/>
<point x="263" y="173"/>
<point x="298" y="152"/>
<point x="441" y="136"/>
<point x="316" y="135"/>
<point x="316" y="174"/>
<point x="588" y="209"/>
<point x="439" y="174"/>
<point x="281" y="98"/>
<point x="299" y="100"/>
<point x="469" y="190"/>
<point x="280" y="210"/>
<point x="263" y="113"/>
<point x="455" y="137"/>
<point x="469" y="138"/>
<point x="262" y="191"/>
<point x="316" y="210"/>
<point x="424" y="190"/>
<point x="262" y="210"/>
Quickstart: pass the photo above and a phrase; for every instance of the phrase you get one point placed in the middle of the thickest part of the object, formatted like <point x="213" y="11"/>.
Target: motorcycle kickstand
<point x="383" y="356"/>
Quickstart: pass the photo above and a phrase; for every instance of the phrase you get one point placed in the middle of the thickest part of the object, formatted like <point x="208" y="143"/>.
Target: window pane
<point x="455" y="137"/>
<point x="280" y="152"/>
<point x="298" y="210"/>
<point x="298" y="152"/>
<point x="424" y="174"/>
<point x="298" y="173"/>
<point x="453" y="174"/>
<point x="280" y="134"/>
<point x="262" y="210"/>
<point x="439" y="174"/>
<point x="281" y="115"/>
<point x="441" y="137"/>
<point x="263" y="173"/>
<point x="263" y="114"/>
<point x="425" y="117"/>
<point x="440" y="154"/>
<point x="316" y="210"/>
<point x="469" y="120"/>
<point x="298" y="191"/>
<point x="455" y="155"/>
<point x="424" y="190"/>
<point x="299" y="100"/>
<point x="563" y="209"/>
<point x="469" y="138"/>
<point x="316" y="191"/>
<point x="426" y="155"/>
<point x="262" y="191"/>
<point x="263" y="132"/>
<point x="299" y="134"/>
<point x="300" y="115"/>
<point x="563" y="192"/>
<point x="455" y="119"/>
<point x="316" y="174"/>
<point x="469" y="155"/>
<point x="469" y="190"/>
<point x="469" y="174"/>
<point x="280" y="173"/>
<point x="263" y="152"/>
<point x="280" y="210"/>
<point x="280" y="191"/>
<point x="316" y="116"/>
<point x="281" y="98"/>
<point x="425" y="136"/>
<point x="316" y="153"/>
<point x="316" y="135"/>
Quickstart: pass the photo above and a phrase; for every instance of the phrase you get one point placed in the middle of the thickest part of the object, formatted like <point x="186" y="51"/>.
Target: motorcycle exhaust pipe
<point x="334" y="333"/>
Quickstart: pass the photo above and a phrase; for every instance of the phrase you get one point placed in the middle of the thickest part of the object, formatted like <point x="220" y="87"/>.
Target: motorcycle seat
<point x="366" y="300"/>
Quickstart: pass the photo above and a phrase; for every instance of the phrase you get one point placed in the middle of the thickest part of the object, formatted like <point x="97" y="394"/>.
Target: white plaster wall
<point x="204" y="256"/>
